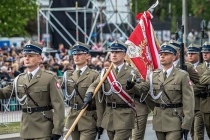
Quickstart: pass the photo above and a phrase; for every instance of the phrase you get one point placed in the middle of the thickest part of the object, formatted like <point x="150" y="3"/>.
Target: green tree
<point x="15" y="15"/>
<point x="201" y="9"/>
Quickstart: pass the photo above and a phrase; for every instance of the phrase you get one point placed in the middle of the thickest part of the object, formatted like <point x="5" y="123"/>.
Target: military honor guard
<point x="204" y="71"/>
<point x="41" y="98"/>
<point x="118" y="89"/>
<point x="197" y="130"/>
<point x="76" y="83"/>
<point x="171" y="89"/>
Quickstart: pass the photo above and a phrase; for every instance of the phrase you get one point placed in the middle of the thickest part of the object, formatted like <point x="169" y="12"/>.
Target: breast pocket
<point x="40" y="93"/>
<point x="173" y="90"/>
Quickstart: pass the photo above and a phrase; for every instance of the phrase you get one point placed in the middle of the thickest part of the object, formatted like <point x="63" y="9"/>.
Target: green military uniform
<point x="197" y="130"/>
<point x="179" y="91"/>
<point x="119" y="120"/>
<point x="86" y="127"/>
<point x="205" y="102"/>
<point x="38" y="97"/>
<point x="118" y="117"/>
<point x="178" y="87"/>
<point x="204" y="71"/>
<point x="77" y="85"/>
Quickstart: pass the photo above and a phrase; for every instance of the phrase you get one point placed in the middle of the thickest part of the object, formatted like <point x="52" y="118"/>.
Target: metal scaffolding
<point x="105" y="13"/>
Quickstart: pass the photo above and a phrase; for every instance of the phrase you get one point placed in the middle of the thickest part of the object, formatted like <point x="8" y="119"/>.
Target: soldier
<point x="118" y="118"/>
<point x="172" y="92"/>
<point x="203" y="69"/>
<point x="192" y="73"/>
<point x="38" y="92"/>
<point x="197" y="130"/>
<point x="76" y="83"/>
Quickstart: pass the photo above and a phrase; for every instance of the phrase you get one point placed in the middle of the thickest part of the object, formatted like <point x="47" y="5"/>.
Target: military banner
<point x="143" y="48"/>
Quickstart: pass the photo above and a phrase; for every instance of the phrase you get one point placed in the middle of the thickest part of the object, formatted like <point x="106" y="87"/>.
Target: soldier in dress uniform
<point x="76" y="84"/>
<point x="118" y="118"/>
<point x="197" y="130"/>
<point x="204" y="71"/>
<point x="192" y="73"/>
<point x="38" y="92"/>
<point x="173" y="94"/>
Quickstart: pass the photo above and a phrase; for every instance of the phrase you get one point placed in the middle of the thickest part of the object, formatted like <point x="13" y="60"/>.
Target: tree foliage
<point x="201" y="9"/>
<point x="196" y="8"/>
<point x="15" y="15"/>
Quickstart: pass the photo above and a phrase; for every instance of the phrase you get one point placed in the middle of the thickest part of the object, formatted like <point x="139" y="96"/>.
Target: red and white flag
<point x="143" y="49"/>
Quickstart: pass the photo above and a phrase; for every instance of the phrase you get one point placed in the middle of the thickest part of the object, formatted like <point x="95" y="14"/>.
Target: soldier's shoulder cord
<point x="22" y="74"/>
<point x="157" y="71"/>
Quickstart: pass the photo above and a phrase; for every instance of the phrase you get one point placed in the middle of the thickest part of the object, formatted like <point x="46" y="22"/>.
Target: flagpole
<point x="84" y="109"/>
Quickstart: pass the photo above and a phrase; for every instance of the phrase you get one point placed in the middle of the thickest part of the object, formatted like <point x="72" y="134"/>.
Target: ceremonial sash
<point x="119" y="91"/>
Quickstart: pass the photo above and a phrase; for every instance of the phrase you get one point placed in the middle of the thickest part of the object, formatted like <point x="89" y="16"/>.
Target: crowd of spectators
<point x="11" y="62"/>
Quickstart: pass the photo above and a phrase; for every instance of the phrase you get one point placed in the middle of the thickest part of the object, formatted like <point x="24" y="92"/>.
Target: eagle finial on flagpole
<point x="151" y="9"/>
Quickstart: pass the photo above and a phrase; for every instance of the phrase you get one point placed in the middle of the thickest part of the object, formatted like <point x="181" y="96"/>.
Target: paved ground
<point x="149" y="135"/>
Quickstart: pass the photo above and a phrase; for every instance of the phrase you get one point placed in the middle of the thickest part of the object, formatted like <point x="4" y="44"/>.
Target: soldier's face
<point x="167" y="59"/>
<point x="193" y="57"/>
<point x="80" y="59"/>
<point x="117" y="57"/>
<point x="32" y="60"/>
<point x="206" y="56"/>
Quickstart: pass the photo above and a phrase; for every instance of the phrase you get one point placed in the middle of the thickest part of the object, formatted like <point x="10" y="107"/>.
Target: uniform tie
<point x="30" y="76"/>
<point x="165" y="75"/>
<point x="207" y="65"/>
<point x="116" y="70"/>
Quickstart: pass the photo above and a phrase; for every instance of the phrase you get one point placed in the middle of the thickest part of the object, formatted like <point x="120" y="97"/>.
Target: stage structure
<point x="88" y="21"/>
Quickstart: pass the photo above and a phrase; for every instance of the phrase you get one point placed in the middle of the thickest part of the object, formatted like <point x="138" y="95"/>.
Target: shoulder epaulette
<point x="158" y="70"/>
<point x="189" y="63"/>
<point x="50" y="72"/>
<point x="22" y="74"/>
<point x="93" y="70"/>
<point x="182" y="70"/>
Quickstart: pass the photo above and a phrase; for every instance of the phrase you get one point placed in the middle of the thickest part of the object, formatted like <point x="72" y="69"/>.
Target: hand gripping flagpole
<point x="84" y="109"/>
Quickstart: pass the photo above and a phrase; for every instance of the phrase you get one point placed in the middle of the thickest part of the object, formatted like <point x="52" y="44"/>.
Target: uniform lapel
<point x="84" y="75"/>
<point x="122" y="71"/>
<point x="25" y="80"/>
<point x="74" y="76"/>
<point x="35" y="78"/>
<point x="170" y="77"/>
<point x="161" y="78"/>
<point x="204" y="68"/>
